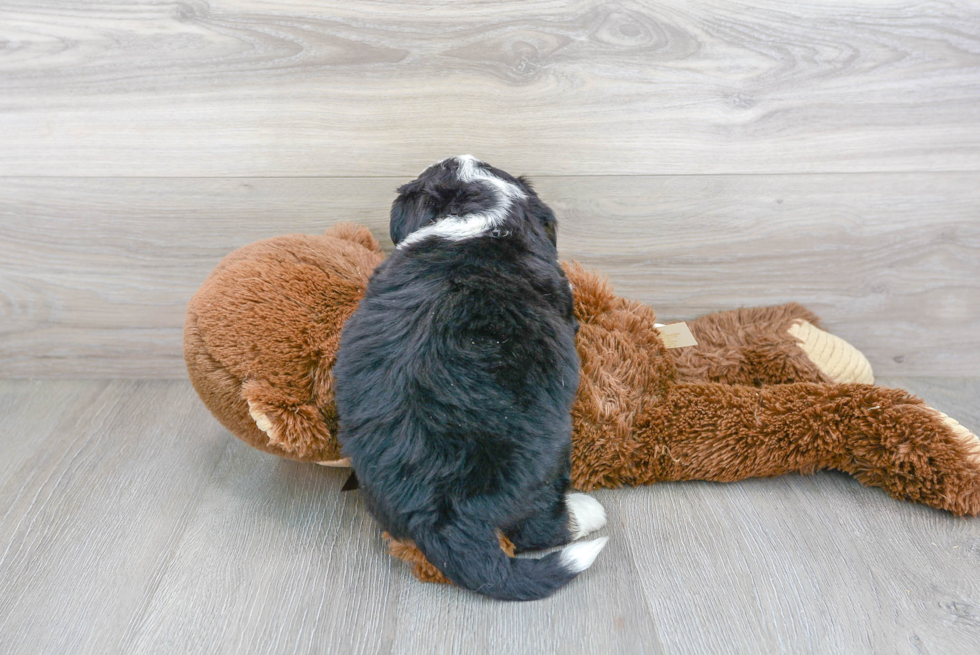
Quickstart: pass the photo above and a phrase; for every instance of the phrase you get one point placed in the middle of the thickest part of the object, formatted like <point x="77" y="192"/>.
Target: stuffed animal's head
<point x="463" y="198"/>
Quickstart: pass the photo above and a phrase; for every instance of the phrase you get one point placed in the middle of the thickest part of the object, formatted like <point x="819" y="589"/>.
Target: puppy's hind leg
<point x="587" y="515"/>
<point x="567" y="517"/>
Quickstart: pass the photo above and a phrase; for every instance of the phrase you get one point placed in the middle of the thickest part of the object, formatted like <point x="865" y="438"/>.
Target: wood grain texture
<point x="137" y="525"/>
<point x="31" y="410"/>
<point x="275" y="559"/>
<point x="96" y="273"/>
<point x="340" y="88"/>
<point x="704" y="155"/>
<point x="843" y="568"/>
<point x="93" y="512"/>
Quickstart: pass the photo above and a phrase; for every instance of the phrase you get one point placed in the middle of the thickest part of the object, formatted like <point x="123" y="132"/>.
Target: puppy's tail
<point x="471" y="557"/>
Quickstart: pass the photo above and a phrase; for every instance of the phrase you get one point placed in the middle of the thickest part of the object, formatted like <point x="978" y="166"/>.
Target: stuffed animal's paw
<point x="918" y="453"/>
<point x="962" y="494"/>
<point x="970" y="441"/>
<point x="837" y="359"/>
<point x="586" y="514"/>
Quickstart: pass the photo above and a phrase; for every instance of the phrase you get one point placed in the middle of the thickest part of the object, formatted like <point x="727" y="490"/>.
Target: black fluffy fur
<point x="455" y="380"/>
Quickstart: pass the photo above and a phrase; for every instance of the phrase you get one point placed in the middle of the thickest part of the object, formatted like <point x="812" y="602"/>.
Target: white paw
<point x="579" y="557"/>
<point x="586" y="515"/>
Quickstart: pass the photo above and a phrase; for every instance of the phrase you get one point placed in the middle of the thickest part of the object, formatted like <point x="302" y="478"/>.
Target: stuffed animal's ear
<point x="411" y="210"/>
<point x="356" y="233"/>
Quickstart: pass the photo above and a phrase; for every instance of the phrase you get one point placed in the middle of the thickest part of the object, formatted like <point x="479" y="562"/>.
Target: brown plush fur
<point x="748" y="346"/>
<point x="263" y="331"/>
<point x="635" y="423"/>
<point x="745" y="402"/>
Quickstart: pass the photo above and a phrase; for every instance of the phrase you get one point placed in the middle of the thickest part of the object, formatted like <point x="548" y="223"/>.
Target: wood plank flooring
<point x="704" y="155"/>
<point x="131" y="522"/>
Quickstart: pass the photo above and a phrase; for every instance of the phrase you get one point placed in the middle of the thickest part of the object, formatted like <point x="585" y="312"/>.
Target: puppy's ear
<point x="550" y="224"/>
<point x="544" y="217"/>
<point x="551" y="229"/>
<point x="525" y="182"/>
<point x="540" y="212"/>
<point x="410" y="211"/>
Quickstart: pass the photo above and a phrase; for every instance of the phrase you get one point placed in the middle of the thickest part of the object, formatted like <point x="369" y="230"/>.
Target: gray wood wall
<point x="705" y="155"/>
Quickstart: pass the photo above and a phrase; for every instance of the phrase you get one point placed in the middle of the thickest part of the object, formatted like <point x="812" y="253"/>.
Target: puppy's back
<point x="456" y="377"/>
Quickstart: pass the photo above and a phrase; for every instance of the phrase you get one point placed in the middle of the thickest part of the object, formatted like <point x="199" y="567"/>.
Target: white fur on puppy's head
<point x="430" y="206"/>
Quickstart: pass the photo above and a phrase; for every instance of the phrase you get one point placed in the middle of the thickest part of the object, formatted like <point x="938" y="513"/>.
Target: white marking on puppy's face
<point x="468" y="226"/>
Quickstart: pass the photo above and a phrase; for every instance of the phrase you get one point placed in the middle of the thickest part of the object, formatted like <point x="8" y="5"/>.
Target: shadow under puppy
<point x="455" y="381"/>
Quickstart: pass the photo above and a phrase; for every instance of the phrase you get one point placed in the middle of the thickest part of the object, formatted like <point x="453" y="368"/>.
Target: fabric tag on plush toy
<point x="676" y="335"/>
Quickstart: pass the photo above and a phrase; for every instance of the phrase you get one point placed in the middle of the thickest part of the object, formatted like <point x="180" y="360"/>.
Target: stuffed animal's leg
<point x="768" y="345"/>
<point x="883" y="437"/>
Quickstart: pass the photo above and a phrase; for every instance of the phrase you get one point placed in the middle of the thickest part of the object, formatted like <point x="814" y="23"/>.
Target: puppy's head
<point x="464" y="198"/>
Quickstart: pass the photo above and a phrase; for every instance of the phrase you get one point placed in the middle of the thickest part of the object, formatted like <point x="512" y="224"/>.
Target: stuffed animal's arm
<point x="768" y="345"/>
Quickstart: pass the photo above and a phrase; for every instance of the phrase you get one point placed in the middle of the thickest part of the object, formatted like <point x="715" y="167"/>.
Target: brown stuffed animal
<point x="764" y="392"/>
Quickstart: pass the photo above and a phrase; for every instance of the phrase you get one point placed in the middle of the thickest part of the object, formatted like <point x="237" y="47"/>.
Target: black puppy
<point x="455" y="380"/>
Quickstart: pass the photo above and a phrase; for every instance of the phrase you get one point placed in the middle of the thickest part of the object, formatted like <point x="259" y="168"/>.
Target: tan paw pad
<point x="967" y="438"/>
<point x="837" y="359"/>
<point x="263" y="423"/>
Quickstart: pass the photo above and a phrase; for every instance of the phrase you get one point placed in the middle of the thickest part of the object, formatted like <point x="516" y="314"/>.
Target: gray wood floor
<point x="131" y="522"/>
<point x="705" y="155"/>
